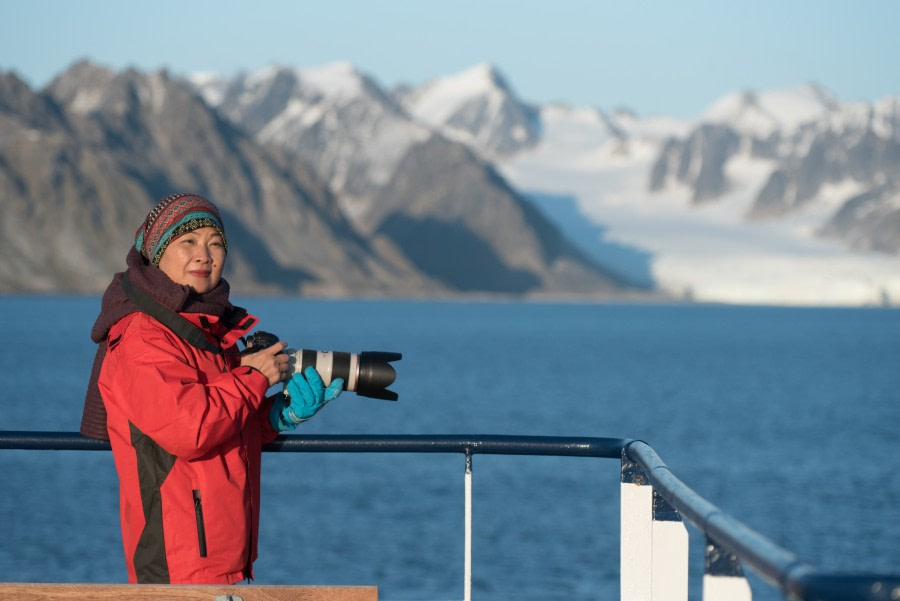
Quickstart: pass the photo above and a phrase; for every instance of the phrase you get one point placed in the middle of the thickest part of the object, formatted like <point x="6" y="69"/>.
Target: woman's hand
<point x="270" y="362"/>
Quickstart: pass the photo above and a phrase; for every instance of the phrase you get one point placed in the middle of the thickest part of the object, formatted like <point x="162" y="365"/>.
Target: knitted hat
<point x="173" y="216"/>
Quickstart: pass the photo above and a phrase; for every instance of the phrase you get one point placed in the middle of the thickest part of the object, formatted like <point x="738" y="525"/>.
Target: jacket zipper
<point x="201" y="529"/>
<point x="248" y="569"/>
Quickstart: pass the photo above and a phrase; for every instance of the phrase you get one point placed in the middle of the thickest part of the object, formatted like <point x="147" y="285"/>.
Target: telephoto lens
<point x="368" y="373"/>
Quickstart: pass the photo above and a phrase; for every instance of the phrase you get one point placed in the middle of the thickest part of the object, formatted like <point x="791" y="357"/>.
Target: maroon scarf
<point x="116" y="305"/>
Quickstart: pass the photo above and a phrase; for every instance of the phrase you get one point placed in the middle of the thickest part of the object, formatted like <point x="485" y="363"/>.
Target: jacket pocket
<point x="201" y="528"/>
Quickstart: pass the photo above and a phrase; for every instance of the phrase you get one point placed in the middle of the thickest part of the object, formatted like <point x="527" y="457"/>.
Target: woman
<point x="185" y="412"/>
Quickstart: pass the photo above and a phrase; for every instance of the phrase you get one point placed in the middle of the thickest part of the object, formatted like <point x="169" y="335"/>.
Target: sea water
<point x="786" y="418"/>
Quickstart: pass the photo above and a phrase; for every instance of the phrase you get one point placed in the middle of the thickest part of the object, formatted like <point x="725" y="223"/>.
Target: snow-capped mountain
<point x="760" y="114"/>
<point x="770" y="197"/>
<point x="780" y="196"/>
<point x="337" y="118"/>
<point x="84" y="160"/>
<point x="413" y="186"/>
<point x="773" y="196"/>
<point x="93" y="151"/>
<point x="476" y="107"/>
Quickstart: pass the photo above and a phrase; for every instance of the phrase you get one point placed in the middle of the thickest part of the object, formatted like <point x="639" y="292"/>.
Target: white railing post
<point x="654" y="541"/>
<point x="723" y="578"/>
<point x="670" y="553"/>
<point x="467" y="560"/>
<point x="636" y="538"/>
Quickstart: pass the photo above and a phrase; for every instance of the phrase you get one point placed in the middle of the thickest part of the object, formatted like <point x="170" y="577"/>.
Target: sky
<point x="654" y="57"/>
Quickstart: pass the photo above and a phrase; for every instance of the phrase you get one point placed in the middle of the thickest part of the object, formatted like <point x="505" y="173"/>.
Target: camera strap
<point x="169" y="318"/>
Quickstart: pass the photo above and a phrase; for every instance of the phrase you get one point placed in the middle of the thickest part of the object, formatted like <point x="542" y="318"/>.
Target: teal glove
<point x="305" y="394"/>
<point x="278" y="414"/>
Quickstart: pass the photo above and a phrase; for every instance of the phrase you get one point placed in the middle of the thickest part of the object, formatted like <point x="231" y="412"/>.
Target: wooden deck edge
<point x="183" y="592"/>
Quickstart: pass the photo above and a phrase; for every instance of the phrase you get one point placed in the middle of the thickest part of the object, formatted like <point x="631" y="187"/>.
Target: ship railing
<point x="654" y="507"/>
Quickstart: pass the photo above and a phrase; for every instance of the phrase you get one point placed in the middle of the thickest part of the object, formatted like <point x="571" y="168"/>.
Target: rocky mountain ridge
<point x="83" y="160"/>
<point x="437" y="186"/>
<point x="783" y="197"/>
<point x="857" y="144"/>
<point x="478" y="108"/>
<point x="76" y="187"/>
<point x="809" y="139"/>
<point x="773" y="196"/>
<point x="436" y="200"/>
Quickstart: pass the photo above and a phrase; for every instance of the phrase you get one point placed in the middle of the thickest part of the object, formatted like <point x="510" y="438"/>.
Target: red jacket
<point x="187" y="428"/>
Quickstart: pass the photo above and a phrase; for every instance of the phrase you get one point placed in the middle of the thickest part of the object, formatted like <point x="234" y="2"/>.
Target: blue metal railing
<point x="781" y="568"/>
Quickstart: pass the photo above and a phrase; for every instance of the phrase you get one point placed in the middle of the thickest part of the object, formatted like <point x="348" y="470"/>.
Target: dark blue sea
<point x="787" y="418"/>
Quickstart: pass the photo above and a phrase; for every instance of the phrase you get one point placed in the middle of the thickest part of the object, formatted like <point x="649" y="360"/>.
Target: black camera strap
<point x="169" y="318"/>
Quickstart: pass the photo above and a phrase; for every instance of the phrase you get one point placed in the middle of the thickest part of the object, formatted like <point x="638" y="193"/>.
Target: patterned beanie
<point x="173" y="216"/>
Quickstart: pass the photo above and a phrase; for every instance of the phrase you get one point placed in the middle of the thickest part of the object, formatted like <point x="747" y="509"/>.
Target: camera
<point x="368" y="373"/>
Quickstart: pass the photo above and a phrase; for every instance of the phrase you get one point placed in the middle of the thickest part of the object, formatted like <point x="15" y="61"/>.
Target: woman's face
<point x="195" y="259"/>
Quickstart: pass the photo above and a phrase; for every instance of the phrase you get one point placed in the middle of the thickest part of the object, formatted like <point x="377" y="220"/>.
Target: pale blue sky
<point x="653" y="56"/>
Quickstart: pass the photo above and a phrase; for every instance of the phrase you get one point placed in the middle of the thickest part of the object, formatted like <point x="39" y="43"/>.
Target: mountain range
<point x="312" y="213"/>
<point x="777" y="197"/>
<point x="333" y="186"/>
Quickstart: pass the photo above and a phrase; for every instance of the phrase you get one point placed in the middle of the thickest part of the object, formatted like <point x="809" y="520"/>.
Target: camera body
<point x="368" y="373"/>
